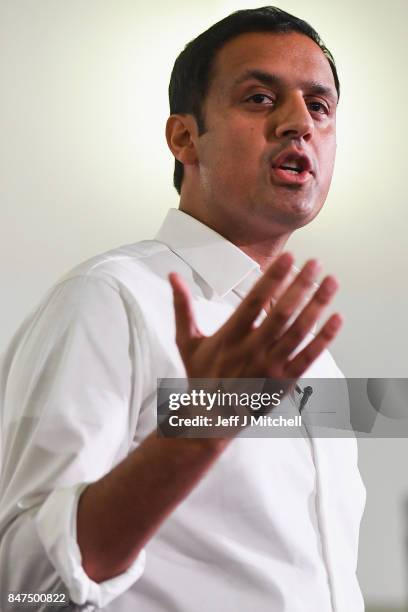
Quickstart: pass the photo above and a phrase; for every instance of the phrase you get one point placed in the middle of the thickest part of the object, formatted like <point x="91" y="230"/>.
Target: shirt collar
<point x="222" y="265"/>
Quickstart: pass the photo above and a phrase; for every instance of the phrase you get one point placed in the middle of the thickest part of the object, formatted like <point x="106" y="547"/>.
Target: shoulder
<point x="128" y="271"/>
<point x="96" y="293"/>
<point x="114" y="265"/>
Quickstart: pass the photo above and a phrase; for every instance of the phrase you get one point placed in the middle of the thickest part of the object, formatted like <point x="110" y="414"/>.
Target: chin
<point x="296" y="215"/>
<point x="302" y="208"/>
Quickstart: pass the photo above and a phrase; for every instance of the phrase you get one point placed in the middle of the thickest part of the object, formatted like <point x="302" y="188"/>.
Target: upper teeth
<point x="291" y="166"/>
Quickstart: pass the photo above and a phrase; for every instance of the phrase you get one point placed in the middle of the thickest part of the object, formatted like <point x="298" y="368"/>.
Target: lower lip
<point x="285" y="176"/>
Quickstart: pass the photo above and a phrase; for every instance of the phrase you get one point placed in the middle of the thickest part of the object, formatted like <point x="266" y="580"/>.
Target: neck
<point x="262" y="246"/>
<point x="264" y="253"/>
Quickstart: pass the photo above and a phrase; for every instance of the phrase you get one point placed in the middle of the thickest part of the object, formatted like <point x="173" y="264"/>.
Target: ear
<point x="180" y="133"/>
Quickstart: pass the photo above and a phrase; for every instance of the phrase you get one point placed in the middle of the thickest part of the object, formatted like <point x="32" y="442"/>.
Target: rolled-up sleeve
<point x="67" y="389"/>
<point x="56" y="527"/>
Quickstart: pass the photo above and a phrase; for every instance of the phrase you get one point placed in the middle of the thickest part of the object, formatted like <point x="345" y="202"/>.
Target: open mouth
<point x="292" y="167"/>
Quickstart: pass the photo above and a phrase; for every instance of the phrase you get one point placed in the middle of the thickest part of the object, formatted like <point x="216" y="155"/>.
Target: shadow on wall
<point x="390" y="608"/>
<point x="385" y="608"/>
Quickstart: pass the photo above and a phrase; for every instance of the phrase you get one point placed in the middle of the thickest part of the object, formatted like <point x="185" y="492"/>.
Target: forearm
<point x="120" y="512"/>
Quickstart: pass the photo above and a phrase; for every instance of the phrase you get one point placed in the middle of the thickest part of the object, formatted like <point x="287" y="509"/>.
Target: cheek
<point x="233" y="141"/>
<point x="230" y="157"/>
<point x="231" y="162"/>
<point x="327" y="159"/>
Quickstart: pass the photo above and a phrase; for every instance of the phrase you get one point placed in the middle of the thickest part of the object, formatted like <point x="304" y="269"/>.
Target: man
<point x="93" y="502"/>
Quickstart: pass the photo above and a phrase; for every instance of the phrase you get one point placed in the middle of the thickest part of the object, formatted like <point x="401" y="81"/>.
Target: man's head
<point x="255" y="86"/>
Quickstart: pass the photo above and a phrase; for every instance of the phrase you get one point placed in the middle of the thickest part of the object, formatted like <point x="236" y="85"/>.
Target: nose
<point x="293" y="119"/>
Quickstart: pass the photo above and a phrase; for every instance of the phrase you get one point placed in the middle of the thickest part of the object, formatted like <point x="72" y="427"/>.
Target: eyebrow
<point x="273" y="80"/>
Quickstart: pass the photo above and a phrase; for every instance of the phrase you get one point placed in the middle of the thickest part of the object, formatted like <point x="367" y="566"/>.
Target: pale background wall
<point x="84" y="167"/>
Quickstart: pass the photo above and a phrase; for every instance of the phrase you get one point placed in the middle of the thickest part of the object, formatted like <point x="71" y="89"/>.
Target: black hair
<point x="191" y="74"/>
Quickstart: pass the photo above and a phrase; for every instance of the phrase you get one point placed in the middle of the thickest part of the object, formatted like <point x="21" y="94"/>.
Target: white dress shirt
<point x="272" y="527"/>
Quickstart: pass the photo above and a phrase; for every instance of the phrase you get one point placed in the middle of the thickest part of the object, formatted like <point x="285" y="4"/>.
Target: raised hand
<point x="240" y="349"/>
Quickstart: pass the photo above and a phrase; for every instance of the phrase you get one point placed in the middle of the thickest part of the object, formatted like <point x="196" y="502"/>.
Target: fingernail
<point x="285" y="260"/>
<point x="336" y="321"/>
<point x="313" y="266"/>
<point x="331" y="284"/>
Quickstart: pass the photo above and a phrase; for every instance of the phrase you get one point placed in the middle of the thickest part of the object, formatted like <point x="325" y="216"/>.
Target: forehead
<point x="292" y="56"/>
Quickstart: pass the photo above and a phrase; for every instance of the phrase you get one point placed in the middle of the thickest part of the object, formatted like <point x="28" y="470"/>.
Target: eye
<point x="260" y="99"/>
<point x="318" y="107"/>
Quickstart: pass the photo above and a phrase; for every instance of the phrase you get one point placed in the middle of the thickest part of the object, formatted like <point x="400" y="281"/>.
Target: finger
<point x="275" y="324"/>
<point x="186" y="327"/>
<point x="297" y="332"/>
<point x="287" y="281"/>
<point x="259" y="296"/>
<point x="303" y="360"/>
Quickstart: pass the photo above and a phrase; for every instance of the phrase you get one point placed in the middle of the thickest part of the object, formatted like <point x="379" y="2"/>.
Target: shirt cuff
<point x="56" y="527"/>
